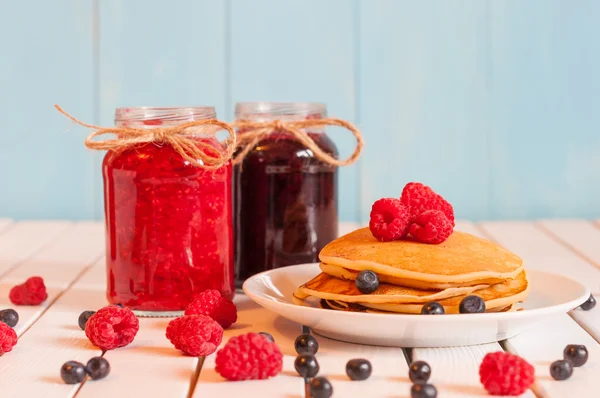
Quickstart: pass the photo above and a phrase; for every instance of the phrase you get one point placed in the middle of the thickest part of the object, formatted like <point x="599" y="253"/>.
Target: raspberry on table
<point x="212" y="304"/>
<point x="195" y="335"/>
<point x="432" y="226"/>
<point x="32" y="292"/>
<point x="249" y="357"/>
<point x="112" y="327"/>
<point x="502" y="373"/>
<point x="419" y="198"/>
<point x="8" y="338"/>
<point x="389" y="219"/>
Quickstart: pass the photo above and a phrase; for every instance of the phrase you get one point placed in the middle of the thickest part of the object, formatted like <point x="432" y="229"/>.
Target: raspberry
<point x="32" y="292"/>
<point x="249" y="357"/>
<point x="195" y="335"/>
<point x="112" y="327"/>
<point x="389" y="219"/>
<point x="212" y="304"/>
<point x="432" y="226"/>
<point x="8" y="338"/>
<point x="502" y="373"/>
<point x="419" y="198"/>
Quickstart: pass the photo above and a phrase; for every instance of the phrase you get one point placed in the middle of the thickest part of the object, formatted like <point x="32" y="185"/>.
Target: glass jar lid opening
<point x="160" y="116"/>
<point x="264" y="111"/>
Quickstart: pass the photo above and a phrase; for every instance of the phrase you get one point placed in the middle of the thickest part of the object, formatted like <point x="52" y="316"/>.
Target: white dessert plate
<point x="549" y="294"/>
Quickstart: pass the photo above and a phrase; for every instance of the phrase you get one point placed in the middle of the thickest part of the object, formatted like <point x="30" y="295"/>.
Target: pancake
<point x="461" y="260"/>
<point x="327" y="287"/>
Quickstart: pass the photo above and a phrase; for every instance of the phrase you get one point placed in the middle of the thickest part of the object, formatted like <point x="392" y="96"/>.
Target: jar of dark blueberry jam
<point x="168" y="222"/>
<point x="285" y="199"/>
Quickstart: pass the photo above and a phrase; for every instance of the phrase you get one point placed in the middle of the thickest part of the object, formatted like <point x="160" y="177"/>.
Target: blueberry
<point x="83" y="318"/>
<point x="306" y="344"/>
<point x="72" y="372"/>
<point x="576" y="354"/>
<point x="589" y="304"/>
<point x="423" y="391"/>
<point x="419" y="372"/>
<point x="10" y="317"/>
<point x="432" y="308"/>
<point x="268" y="336"/>
<point x="358" y="369"/>
<point x="367" y="282"/>
<point x="561" y="370"/>
<point x="98" y="368"/>
<point x="306" y="365"/>
<point x="472" y="305"/>
<point x="320" y="387"/>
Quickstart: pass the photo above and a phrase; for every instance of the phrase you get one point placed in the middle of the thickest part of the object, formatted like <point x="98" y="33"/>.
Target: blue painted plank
<point x="300" y="50"/>
<point x="47" y="58"/>
<point x="424" y="101"/>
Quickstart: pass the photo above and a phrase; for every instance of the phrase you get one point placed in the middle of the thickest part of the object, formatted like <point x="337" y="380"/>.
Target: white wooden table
<point x="69" y="256"/>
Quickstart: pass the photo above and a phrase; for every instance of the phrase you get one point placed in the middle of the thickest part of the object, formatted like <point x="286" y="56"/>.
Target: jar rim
<point x="275" y="110"/>
<point x="164" y="114"/>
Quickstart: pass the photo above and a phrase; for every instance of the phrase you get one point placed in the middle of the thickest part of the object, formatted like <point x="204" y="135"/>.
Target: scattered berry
<point x="195" y="335"/>
<point x="576" y="354"/>
<point x="32" y="292"/>
<point x="211" y="303"/>
<point x="432" y="227"/>
<point x="306" y="365"/>
<point x="433" y="308"/>
<point x="83" y="318"/>
<point x="10" y="317"/>
<point x="249" y="357"/>
<point x="306" y="344"/>
<point x="389" y="219"/>
<point x="268" y="336"/>
<point x="561" y="370"/>
<point x="112" y="327"/>
<point x="367" y="282"/>
<point x="423" y="391"/>
<point x="8" y="338"/>
<point x="98" y="368"/>
<point x="73" y="372"/>
<point x="471" y="305"/>
<point x="320" y="387"/>
<point x="358" y="369"/>
<point x="419" y="198"/>
<point x="419" y="372"/>
<point x="502" y="373"/>
<point x="589" y="304"/>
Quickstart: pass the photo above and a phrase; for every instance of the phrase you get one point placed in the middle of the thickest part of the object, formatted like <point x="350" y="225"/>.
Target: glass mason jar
<point x="285" y="199"/>
<point x="168" y="223"/>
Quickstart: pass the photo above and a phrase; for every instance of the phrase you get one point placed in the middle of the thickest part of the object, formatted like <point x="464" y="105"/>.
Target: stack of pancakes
<point x="412" y="274"/>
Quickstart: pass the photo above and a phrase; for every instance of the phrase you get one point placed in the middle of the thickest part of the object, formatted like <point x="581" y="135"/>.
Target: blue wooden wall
<point x="496" y="104"/>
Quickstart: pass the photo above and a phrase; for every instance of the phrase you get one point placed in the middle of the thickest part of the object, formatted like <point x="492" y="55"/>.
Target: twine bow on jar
<point x="253" y="132"/>
<point x="182" y="137"/>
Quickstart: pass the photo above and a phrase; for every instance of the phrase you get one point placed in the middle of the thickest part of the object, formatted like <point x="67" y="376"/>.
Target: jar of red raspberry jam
<point x="285" y="199"/>
<point x="168" y="222"/>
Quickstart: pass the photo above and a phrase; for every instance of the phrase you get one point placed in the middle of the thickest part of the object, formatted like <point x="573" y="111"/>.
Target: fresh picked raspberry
<point x="502" y="373"/>
<point x="32" y="292"/>
<point x="420" y="198"/>
<point x="8" y="338"/>
<point x="389" y="219"/>
<point x="112" y="327"/>
<point x="431" y="226"/>
<point x="249" y="357"/>
<point x="195" y="335"/>
<point x="212" y="304"/>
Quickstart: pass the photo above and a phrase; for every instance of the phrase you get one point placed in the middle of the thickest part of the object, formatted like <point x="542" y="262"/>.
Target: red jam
<point x="169" y="232"/>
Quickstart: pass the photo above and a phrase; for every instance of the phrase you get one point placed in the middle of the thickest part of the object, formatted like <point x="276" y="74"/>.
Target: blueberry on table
<point x="433" y="308"/>
<point x="589" y="304"/>
<point x="367" y="282"/>
<point x="320" y="387"/>
<point x="419" y="372"/>
<point x="83" y="318"/>
<point x="423" y="391"/>
<point x="358" y="369"/>
<point x="10" y="317"/>
<point x="561" y="370"/>
<point x="306" y="365"/>
<point x="576" y="354"/>
<point x="98" y="368"/>
<point x="471" y="305"/>
<point x="73" y="372"/>
<point x="268" y="336"/>
<point x="306" y="344"/>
